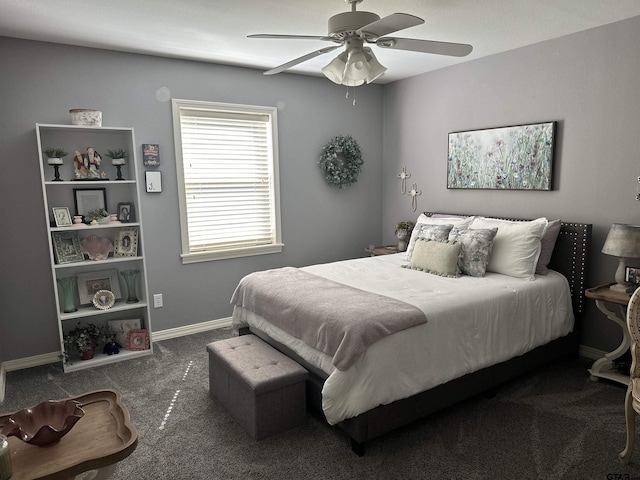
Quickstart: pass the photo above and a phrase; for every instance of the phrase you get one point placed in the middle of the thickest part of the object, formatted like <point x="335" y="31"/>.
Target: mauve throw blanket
<point x="337" y="319"/>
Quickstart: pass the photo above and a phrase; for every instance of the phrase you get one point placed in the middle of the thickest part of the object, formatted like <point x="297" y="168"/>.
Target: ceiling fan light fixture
<point x="357" y="68"/>
<point x="376" y="68"/>
<point x="334" y="71"/>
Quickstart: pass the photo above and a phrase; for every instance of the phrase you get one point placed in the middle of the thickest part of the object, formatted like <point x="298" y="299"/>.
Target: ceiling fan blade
<point x="298" y="60"/>
<point x="290" y="37"/>
<point x="389" y="24"/>
<point x="426" y="46"/>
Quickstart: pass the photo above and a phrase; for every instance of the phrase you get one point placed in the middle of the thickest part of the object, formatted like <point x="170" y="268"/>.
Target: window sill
<point x="226" y="254"/>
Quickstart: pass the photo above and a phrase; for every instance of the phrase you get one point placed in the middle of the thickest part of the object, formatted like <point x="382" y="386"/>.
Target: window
<point x="227" y="163"/>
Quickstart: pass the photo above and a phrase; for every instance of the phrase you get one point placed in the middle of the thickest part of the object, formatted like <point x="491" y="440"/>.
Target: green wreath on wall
<point x="341" y="161"/>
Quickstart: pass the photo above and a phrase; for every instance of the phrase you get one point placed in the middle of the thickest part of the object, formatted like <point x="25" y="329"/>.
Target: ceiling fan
<point x="357" y="64"/>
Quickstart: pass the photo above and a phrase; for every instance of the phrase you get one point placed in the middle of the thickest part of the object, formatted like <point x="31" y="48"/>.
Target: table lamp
<point x="623" y="241"/>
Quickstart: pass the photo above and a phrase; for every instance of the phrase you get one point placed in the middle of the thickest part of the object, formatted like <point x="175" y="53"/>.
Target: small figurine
<point x="78" y="163"/>
<point x="111" y="348"/>
<point x="92" y="162"/>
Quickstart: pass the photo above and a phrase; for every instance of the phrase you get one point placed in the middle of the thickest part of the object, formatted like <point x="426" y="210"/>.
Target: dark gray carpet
<point x="552" y="424"/>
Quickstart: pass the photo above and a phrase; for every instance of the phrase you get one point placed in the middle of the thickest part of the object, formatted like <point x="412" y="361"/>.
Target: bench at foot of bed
<point x="262" y="389"/>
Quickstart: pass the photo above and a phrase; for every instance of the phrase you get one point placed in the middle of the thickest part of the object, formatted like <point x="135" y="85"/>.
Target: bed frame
<point x="569" y="258"/>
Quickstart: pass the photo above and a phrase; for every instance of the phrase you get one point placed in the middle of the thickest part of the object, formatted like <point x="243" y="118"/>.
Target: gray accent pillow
<point x="439" y="258"/>
<point x="477" y="245"/>
<point x="439" y="233"/>
<point x="547" y="244"/>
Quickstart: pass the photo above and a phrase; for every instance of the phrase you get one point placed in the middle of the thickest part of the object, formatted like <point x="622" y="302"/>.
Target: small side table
<point x="603" y="367"/>
<point x="100" y="439"/>
<point x="375" y="251"/>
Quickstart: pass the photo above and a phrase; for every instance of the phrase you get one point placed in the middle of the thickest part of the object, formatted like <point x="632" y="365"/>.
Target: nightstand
<point x="603" y="367"/>
<point x="375" y="251"/>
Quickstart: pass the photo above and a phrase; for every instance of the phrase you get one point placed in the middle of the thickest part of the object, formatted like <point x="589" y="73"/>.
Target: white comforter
<point x="471" y="323"/>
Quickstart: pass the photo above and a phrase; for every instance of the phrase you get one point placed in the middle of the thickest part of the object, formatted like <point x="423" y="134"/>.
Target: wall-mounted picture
<point x="66" y="246"/>
<point x="62" y="216"/>
<point x="89" y="199"/>
<point x="126" y="242"/>
<point x="153" y="181"/>
<point x="122" y="327"/>
<point x="92" y="282"/>
<point x="126" y="212"/>
<point x="505" y="158"/>
<point x="151" y="154"/>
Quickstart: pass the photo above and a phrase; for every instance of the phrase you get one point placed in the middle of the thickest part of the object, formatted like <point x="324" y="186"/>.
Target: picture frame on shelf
<point x="66" y="247"/>
<point x="632" y="275"/>
<point x="103" y="299"/>
<point x="90" y="283"/>
<point x="126" y="212"/>
<point x="137" y="339"/>
<point x="61" y="216"/>
<point x="126" y="242"/>
<point x="89" y="199"/>
<point x="122" y="328"/>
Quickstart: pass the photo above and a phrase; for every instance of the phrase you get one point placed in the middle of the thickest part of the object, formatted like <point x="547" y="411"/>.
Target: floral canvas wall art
<point x="509" y="158"/>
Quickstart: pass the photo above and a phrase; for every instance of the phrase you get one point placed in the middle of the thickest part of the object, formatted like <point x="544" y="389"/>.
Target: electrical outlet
<point x="157" y="300"/>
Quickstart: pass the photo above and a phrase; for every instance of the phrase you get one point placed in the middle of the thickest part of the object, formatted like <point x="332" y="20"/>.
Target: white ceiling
<point x="216" y="30"/>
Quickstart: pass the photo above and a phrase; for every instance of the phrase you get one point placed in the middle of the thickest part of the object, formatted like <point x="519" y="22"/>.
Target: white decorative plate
<point x="103" y="299"/>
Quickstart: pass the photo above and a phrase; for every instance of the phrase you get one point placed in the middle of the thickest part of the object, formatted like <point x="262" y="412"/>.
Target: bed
<point x="498" y="326"/>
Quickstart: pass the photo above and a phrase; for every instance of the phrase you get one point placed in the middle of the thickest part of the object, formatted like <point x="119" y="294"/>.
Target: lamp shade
<point x="334" y="71"/>
<point x="623" y="241"/>
<point x="376" y="69"/>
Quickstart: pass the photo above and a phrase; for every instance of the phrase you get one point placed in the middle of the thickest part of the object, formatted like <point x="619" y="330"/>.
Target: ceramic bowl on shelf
<point x="95" y="247"/>
<point x="44" y="424"/>
<point x="85" y="116"/>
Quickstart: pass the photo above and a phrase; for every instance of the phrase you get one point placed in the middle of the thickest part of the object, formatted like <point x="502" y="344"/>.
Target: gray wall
<point x="587" y="82"/>
<point x="40" y="82"/>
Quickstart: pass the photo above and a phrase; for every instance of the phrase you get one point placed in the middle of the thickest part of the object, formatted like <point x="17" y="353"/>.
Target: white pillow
<point x="516" y="246"/>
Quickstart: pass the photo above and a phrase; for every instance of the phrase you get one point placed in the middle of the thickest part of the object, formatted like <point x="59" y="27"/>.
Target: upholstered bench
<point x="263" y="390"/>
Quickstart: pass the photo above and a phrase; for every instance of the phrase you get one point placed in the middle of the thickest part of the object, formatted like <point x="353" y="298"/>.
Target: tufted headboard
<point x="570" y="256"/>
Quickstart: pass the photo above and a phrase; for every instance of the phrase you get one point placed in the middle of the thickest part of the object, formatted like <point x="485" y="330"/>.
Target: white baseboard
<point x="190" y="329"/>
<point x="53" y="357"/>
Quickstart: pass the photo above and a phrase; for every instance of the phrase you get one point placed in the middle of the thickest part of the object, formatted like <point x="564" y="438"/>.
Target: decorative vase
<point x="68" y="289"/>
<point x="402" y="236"/>
<point x="131" y="278"/>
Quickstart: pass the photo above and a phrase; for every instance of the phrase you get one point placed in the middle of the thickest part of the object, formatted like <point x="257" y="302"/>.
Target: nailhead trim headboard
<point x="570" y="256"/>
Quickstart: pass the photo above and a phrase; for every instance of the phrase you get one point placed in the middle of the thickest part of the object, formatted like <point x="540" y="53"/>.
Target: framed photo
<point x="61" y="216"/>
<point x="103" y="299"/>
<point x="92" y="282"/>
<point x="126" y="242"/>
<point x="89" y="199"/>
<point x="506" y="158"/>
<point x="632" y="275"/>
<point x="154" y="181"/>
<point x="126" y="212"/>
<point x="66" y="246"/>
<point x="151" y="154"/>
<point x="122" y="327"/>
<point x="137" y="340"/>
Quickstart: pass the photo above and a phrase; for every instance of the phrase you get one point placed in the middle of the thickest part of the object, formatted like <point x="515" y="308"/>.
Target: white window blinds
<point x="229" y="178"/>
